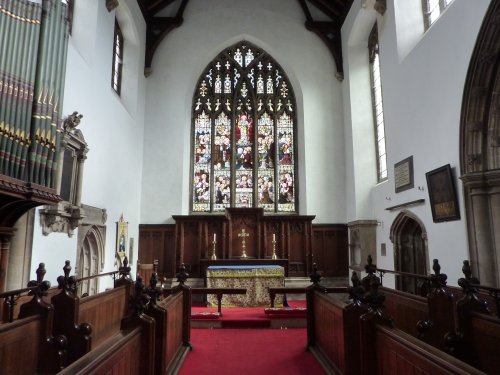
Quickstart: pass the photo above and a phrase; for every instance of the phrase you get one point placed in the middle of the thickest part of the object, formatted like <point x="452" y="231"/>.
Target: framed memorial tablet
<point x="403" y="175"/>
<point x="442" y="194"/>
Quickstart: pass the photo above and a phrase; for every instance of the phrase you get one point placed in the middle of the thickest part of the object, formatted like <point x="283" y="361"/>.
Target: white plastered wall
<point x="422" y="92"/>
<point x="208" y="28"/>
<point x="112" y="127"/>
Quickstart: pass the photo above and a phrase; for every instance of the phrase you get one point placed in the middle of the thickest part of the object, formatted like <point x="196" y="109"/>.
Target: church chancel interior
<point x="189" y="185"/>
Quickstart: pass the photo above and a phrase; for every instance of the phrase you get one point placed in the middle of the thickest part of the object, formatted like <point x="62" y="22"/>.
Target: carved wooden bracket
<point x="329" y="33"/>
<point x="157" y="29"/>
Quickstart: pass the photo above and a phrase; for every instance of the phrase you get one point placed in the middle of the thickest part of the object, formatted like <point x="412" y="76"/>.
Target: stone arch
<point x="480" y="150"/>
<point x="409" y="238"/>
<point x="90" y="260"/>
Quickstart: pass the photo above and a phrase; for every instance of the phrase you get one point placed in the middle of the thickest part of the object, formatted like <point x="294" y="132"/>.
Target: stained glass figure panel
<point x="222" y="190"/>
<point x="286" y="198"/>
<point x="243" y="134"/>
<point x="244" y="189"/>
<point x="244" y="142"/>
<point x="265" y="185"/>
<point x="201" y="189"/>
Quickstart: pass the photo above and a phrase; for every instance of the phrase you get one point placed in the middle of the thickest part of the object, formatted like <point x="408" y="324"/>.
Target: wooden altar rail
<point x="219" y="292"/>
<point x="273" y="292"/>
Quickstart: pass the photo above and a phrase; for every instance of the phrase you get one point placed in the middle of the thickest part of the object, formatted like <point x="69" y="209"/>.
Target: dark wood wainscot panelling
<point x="157" y="242"/>
<point x="190" y="241"/>
<point x="330" y="249"/>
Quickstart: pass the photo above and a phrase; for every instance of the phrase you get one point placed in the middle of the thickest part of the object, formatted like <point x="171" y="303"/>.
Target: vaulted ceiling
<point x="328" y="28"/>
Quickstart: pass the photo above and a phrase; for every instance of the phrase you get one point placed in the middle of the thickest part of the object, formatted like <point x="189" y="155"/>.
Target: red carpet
<point x="249" y="351"/>
<point x="248" y="317"/>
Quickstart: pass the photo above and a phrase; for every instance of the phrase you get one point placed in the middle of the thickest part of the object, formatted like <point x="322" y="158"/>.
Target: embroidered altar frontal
<point x="256" y="279"/>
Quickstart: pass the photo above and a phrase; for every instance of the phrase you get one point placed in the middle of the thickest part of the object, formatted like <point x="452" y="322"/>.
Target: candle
<point x="274" y="237"/>
<point x="214" y="237"/>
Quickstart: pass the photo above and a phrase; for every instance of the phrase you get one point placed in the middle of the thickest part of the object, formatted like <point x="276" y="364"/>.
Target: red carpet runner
<point x="249" y="351"/>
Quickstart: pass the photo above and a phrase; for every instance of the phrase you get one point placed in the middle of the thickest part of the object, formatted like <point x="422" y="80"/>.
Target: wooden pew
<point x="172" y="319"/>
<point x="334" y="337"/>
<point x="125" y="337"/>
<point x="27" y="345"/>
<point x="88" y="322"/>
<point x="171" y="310"/>
<point x="478" y="331"/>
<point x="391" y="351"/>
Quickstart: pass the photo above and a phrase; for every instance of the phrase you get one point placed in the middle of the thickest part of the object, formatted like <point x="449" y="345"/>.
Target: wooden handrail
<point x="290" y="290"/>
<point x="10" y="300"/>
<point x="219" y="292"/>
<point x="99" y="275"/>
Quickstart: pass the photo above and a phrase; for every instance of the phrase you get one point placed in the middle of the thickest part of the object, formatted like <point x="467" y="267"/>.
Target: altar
<point x="255" y="278"/>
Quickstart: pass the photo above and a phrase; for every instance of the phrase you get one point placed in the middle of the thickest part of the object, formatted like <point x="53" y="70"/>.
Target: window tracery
<point x="243" y="134"/>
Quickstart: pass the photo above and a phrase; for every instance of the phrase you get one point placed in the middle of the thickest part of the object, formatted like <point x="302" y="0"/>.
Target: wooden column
<point x="5" y="238"/>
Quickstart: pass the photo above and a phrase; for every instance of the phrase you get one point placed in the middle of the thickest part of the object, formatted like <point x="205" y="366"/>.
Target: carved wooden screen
<point x="243" y="145"/>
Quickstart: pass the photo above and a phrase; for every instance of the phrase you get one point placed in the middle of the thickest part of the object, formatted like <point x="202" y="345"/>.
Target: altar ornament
<point x="242" y="235"/>
<point x="214" y="242"/>
<point x="274" y="256"/>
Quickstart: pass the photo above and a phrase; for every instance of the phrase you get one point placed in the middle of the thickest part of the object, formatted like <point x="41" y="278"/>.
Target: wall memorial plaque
<point x="442" y="194"/>
<point x="403" y="174"/>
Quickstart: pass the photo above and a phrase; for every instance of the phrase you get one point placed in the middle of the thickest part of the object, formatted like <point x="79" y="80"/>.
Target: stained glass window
<point x="244" y="120"/>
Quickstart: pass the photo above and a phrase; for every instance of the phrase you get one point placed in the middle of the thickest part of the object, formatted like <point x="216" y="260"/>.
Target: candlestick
<point x="214" y="242"/>
<point x="274" y="256"/>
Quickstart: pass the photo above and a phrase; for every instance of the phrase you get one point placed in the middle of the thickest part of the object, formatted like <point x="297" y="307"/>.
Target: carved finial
<point x="438" y="280"/>
<point x="436" y="267"/>
<point x="355" y="279"/>
<point x="66" y="282"/>
<point x="125" y="269"/>
<point x="42" y="286"/>
<point x="140" y="300"/>
<point x="40" y="272"/>
<point x="182" y="276"/>
<point x="467" y="283"/>
<point x="375" y="301"/>
<point x="67" y="268"/>
<point x="467" y="271"/>
<point x="356" y="292"/>
<point x="154" y="279"/>
<point x="315" y="275"/>
<point x="370" y="268"/>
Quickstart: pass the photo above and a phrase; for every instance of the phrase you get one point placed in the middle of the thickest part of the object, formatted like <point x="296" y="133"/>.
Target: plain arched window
<point x="243" y="145"/>
<point x="378" y="106"/>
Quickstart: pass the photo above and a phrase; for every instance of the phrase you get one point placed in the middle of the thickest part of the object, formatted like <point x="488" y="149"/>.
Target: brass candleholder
<point x="274" y="256"/>
<point x="214" y="256"/>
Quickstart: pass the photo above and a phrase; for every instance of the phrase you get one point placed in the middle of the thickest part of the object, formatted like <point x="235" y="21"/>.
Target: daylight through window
<point x="244" y="149"/>
<point x="377" y="102"/>
<point x="116" y="77"/>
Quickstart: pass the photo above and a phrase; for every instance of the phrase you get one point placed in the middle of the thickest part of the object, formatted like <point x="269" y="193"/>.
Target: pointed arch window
<point x="244" y="147"/>
<point x="433" y="9"/>
<point x="116" y="74"/>
<point x="377" y="104"/>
